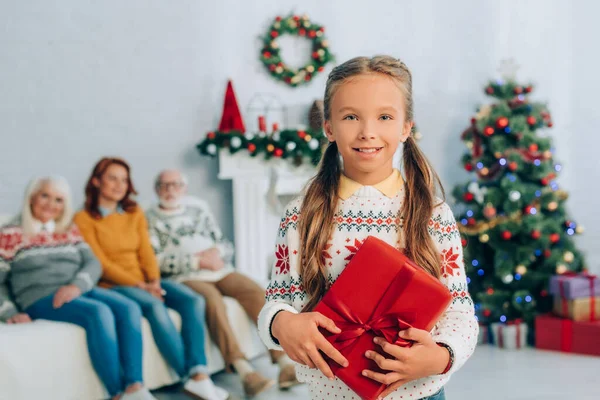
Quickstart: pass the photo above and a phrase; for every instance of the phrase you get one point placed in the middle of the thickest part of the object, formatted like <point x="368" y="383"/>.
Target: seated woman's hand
<point x="65" y="294"/>
<point x="20" y="318"/>
<point x="301" y="339"/>
<point x="154" y="288"/>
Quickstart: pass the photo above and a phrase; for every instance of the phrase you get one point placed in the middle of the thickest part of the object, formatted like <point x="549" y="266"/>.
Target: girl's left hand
<point x="424" y="358"/>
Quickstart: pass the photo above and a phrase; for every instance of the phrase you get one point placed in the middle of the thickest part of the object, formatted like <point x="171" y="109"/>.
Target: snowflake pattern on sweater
<point x="370" y="213"/>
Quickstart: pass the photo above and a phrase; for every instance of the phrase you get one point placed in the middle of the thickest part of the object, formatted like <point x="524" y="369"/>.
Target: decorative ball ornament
<point x="278" y="153"/>
<point x="211" y="149"/>
<point x="506" y="235"/>
<point x="502" y="122"/>
<point x="487" y="313"/>
<point x="468" y="197"/>
<point x="270" y="148"/>
<point x="488" y="131"/>
<point x="552" y="206"/>
<point x="484" y="238"/>
<point x="533" y="148"/>
<point x="236" y="142"/>
<point x="484" y="171"/>
<point x="307" y="138"/>
<point x="514" y="195"/>
<point x="490" y="291"/>
<point x="211" y="135"/>
<point x="569" y="257"/>
<point x="290" y="146"/>
<point x="469" y="167"/>
<point x="313" y="144"/>
<point x="251" y="147"/>
<point x="489" y="211"/>
<point x="463" y="241"/>
<point x="535" y="234"/>
<point x="561" y="269"/>
<point x="489" y="90"/>
<point x="554" y="238"/>
<point x="513" y="166"/>
<point x="521" y="270"/>
<point x="531" y="120"/>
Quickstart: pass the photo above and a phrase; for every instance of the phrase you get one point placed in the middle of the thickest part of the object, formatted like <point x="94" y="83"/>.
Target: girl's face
<point x="113" y="184"/>
<point x="47" y="204"/>
<point x="367" y="121"/>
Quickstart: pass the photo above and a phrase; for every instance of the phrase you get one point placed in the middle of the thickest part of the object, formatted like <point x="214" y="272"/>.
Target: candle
<point x="262" y="123"/>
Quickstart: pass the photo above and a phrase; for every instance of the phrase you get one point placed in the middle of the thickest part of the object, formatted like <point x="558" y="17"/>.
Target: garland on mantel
<point x="294" y="145"/>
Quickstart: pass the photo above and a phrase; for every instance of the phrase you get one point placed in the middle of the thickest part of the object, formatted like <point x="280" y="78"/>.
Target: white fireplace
<point x="261" y="190"/>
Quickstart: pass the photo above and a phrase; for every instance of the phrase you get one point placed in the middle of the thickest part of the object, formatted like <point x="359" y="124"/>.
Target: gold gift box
<point x="578" y="309"/>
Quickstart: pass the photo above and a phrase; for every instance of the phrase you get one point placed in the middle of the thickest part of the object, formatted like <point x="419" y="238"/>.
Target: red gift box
<point x="379" y="293"/>
<point x="553" y="333"/>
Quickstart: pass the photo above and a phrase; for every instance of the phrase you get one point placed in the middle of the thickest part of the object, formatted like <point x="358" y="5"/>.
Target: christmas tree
<point x="515" y="230"/>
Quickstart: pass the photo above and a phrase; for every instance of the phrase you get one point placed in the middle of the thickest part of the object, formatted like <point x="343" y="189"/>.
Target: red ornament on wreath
<point x="489" y="90"/>
<point x="528" y="89"/>
<point x="506" y="235"/>
<point x="531" y="120"/>
<point x="468" y="197"/>
<point x="544" y="181"/>
<point x="251" y="147"/>
<point x="471" y="221"/>
<point x="463" y="241"/>
<point x="518" y="90"/>
<point x="469" y="167"/>
<point x="278" y="153"/>
<point x="211" y="135"/>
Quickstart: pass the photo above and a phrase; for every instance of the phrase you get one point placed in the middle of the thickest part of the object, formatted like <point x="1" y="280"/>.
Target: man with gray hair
<point x="191" y="249"/>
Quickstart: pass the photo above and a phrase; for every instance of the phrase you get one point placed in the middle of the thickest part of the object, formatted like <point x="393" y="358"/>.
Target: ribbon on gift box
<point x="565" y="304"/>
<point x="387" y="326"/>
<point x="517" y="322"/>
<point x="566" y="335"/>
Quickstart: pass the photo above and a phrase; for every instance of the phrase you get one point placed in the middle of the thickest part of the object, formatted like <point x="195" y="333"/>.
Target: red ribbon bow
<point x="387" y="326"/>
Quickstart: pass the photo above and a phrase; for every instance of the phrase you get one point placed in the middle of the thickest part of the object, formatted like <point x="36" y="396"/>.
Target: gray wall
<point x="145" y="80"/>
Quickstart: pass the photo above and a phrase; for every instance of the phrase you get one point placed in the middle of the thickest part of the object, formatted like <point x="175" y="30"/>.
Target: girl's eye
<point x="44" y="195"/>
<point x="350" y="117"/>
<point x="59" y="200"/>
<point x="385" y="117"/>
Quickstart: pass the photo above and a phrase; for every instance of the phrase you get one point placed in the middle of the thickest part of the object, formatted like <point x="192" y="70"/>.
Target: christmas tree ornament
<point x="502" y="122"/>
<point x="535" y="234"/>
<point x="531" y="120"/>
<point x="514" y="195"/>
<point x="489" y="211"/>
<point x="552" y="206"/>
<point x="579" y="229"/>
<point x="568" y="256"/>
<point x="484" y="238"/>
<point x="211" y="149"/>
<point x="270" y="148"/>
<point x="554" y="238"/>
<point x="561" y="269"/>
<point x="521" y="270"/>
<point x="290" y="146"/>
<point x="236" y="142"/>
<point x="506" y="235"/>
<point x="313" y="144"/>
<point x="488" y="131"/>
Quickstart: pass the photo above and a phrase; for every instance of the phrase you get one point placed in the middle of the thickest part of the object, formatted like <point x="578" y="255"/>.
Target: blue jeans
<point x="185" y="353"/>
<point x="440" y="395"/>
<point x="113" y="329"/>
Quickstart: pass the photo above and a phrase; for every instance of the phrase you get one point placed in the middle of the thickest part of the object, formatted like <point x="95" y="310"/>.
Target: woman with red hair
<point x="116" y="229"/>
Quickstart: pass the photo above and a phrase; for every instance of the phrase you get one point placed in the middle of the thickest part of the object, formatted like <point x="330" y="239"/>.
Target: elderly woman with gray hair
<point x="53" y="273"/>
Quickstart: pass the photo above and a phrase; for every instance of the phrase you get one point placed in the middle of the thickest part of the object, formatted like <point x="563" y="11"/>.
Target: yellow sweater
<point x="122" y="244"/>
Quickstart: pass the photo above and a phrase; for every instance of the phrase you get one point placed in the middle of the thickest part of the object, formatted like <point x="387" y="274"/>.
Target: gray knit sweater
<point x="36" y="266"/>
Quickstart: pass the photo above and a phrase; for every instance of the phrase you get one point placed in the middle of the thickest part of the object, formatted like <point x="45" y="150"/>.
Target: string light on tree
<point x="569" y="256"/>
<point x="521" y="270"/>
<point x="561" y="269"/>
<point x="484" y="238"/>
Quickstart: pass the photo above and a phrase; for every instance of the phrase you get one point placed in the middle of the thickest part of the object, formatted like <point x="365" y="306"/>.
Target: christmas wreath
<point x="299" y="26"/>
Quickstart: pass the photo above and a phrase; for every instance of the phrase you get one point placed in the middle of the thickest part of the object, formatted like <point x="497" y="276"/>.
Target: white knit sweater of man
<point x="179" y="236"/>
<point x="372" y="211"/>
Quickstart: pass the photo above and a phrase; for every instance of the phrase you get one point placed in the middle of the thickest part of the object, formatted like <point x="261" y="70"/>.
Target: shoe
<point x="142" y="394"/>
<point x="254" y="383"/>
<point x="201" y="390"/>
<point x="287" y="377"/>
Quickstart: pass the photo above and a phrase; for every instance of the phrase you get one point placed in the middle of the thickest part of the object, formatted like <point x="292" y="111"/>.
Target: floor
<point x="490" y="374"/>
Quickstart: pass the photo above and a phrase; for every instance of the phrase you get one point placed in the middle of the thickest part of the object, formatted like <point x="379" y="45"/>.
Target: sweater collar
<point x="390" y="186"/>
<point x="48" y="227"/>
<point x="105" y="212"/>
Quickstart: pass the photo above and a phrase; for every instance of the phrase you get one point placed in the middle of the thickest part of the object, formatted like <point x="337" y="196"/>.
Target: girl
<point x="53" y="274"/>
<point x="115" y="228"/>
<point x="368" y="112"/>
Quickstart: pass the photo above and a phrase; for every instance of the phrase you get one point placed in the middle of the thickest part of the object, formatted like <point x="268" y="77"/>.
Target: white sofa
<point x="49" y="360"/>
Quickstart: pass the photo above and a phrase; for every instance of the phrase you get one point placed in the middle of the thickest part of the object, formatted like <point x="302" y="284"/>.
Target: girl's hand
<point x="299" y="336"/>
<point x="20" y="318"/>
<point x="424" y="358"/>
<point x="65" y="295"/>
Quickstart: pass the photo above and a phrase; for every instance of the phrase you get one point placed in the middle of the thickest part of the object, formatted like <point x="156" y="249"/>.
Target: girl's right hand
<point x="20" y="318"/>
<point x="300" y="338"/>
